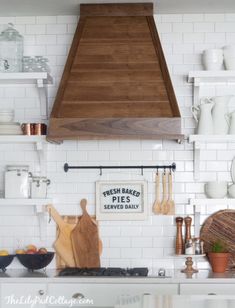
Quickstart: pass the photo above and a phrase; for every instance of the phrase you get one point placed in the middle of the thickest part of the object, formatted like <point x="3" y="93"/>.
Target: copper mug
<point x="34" y="129"/>
<point x="28" y="128"/>
<point x="40" y="129"/>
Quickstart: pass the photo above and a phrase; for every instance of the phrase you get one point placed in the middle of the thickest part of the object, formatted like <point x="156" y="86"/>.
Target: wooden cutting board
<point x="73" y="220"/>
<point x="63" y="244"/>
<point x="85" y="240"/>
<point x="220" y="226"/>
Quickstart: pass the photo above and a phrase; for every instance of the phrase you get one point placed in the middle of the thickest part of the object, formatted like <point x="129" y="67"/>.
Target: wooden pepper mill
<point x="188" y="222"/>
<point x="179" y="245"/>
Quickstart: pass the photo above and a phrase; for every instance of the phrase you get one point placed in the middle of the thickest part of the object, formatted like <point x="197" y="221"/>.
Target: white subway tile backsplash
<point x="217" y="37"/>
<point x="25" y="20"/>
<point x="46" y="20"/>
<point x="35" y="29"/>
<point x="67" y="19"/>
<point x="171" y="18"/>
<point x="56" y="29"/>
<point x="131" y="253"/>
<point x="204" y="27"/>
<point x="46" y="39"/>
<point x="182" y="27"/>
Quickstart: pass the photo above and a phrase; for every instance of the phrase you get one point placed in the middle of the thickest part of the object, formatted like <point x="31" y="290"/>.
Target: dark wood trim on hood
<point x="115" y="83"/>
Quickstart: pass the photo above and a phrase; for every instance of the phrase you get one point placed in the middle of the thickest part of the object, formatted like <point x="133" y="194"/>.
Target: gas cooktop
<point x="105" y="271"/>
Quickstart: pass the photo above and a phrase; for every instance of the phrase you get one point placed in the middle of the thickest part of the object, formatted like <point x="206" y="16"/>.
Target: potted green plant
<point x="219" y="257"/>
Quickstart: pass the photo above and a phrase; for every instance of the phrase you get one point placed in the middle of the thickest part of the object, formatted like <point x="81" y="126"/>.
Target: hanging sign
<point x="121" y="200"/>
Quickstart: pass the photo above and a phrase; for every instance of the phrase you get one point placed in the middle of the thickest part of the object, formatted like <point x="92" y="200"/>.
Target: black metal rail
<point x="164" y="167"/>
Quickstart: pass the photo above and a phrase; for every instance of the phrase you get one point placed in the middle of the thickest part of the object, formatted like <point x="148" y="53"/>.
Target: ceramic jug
<point x="203" y="116"/>
<point x="231" y="122"/>
<point x="219" y="114"/>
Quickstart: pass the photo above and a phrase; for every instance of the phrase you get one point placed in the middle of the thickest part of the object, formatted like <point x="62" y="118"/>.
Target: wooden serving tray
<point x="220" y="227"/>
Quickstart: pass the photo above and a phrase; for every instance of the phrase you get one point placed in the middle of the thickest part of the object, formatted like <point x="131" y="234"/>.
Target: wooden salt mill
<point x="179" y="245"/>
<point x="188" y="222"/>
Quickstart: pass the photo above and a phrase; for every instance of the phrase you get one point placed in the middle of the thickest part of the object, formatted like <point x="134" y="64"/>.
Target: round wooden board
<point x="220" y="226"/>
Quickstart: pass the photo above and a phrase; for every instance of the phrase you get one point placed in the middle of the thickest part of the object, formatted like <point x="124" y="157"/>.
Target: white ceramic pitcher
<point x="219" y="114"/>
<point x="231" y="122"/>
<point x="203" y="116"/>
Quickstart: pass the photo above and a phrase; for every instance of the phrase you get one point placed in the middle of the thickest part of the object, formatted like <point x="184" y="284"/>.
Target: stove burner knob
<point x="161" y="272"/>
<point x="41" y="292"/>
<point x="78" y="296"/>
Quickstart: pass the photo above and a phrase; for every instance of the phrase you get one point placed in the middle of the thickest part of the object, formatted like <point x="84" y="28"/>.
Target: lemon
<point x="4" y="253"/>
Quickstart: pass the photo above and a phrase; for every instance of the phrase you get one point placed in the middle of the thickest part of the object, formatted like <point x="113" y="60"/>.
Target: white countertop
<point x="51" y="275"/>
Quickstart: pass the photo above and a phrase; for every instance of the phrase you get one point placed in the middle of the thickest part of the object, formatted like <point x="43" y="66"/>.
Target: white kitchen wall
<point x="130" y="243"/>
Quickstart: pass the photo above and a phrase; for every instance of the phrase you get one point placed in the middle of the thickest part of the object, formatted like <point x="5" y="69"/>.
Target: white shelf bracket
<point x="39" y="210"/>
<point x="196" y="91"/>
<point x="42" y="225"/>
<point x="197" y="156"/>
<point x="42" y="92"/>
<point x="41" y="148"/>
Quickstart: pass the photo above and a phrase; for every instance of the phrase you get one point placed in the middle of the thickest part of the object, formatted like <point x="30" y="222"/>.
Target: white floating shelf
<point x="198" y="140"/>
<point x="211" y="76"/>
<point x="208" y="201"/>
<point x="211" y="138"/>
<point x="22" y="139"/>
<point x="39" y="203"/>
<point x="37" y="78"/>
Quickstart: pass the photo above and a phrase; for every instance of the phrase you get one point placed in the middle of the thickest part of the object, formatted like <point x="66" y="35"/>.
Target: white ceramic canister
<point x="17" y="180"/>
<point x="213" y="59"/>
<point x="39" y="187"/>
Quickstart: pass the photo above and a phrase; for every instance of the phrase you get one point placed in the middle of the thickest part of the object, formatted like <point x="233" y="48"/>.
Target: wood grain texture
<point x="115" y="9"/>
<point x="220" y="226"/>
<point x="118" y="128"/>
<point x="85" y="240"/>
<point x="116" y="83"/>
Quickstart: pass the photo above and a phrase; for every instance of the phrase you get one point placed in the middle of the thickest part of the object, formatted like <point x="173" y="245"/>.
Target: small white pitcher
<point x="231" y="122"/>
<point x="203" y="116"/>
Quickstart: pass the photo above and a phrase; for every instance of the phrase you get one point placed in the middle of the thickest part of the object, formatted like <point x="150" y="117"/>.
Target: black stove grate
<point x="103" y="271"/>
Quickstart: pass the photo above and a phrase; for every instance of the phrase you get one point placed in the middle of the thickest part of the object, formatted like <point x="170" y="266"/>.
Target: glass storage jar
<point x="11" y="50"/>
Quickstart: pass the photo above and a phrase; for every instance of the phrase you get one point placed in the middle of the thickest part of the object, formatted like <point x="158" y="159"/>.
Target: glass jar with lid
<point x="11" y="50"/>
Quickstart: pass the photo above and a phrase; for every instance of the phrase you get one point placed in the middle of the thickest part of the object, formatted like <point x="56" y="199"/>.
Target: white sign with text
<point x="121" y="200"/>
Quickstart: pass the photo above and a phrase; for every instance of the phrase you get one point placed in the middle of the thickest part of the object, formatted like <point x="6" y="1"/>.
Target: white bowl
<point x="6" y="115"/>
<point x="231" y="191"/>
<point x="216" y="189"/>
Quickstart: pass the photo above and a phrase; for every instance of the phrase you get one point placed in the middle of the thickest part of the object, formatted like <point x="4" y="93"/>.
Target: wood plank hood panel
<point x="115" y="82"/>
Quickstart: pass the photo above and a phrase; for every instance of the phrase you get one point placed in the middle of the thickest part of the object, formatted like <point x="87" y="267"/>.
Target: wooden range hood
<point x="115" y="83"/>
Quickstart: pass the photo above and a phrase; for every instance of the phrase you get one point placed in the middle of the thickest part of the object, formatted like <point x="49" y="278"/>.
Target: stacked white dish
<point x="7" y="126"/>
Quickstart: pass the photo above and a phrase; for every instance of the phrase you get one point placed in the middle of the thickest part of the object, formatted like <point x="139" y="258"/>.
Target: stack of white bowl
<point x="7" y="126"/>
<point x="229" y="57"/>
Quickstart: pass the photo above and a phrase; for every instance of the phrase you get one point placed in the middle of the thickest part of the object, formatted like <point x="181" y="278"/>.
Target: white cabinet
<point x="207" y="289"/>
<point x="105" y="295"/>
<point x="23" y="295"/>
